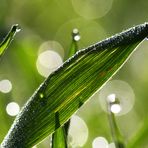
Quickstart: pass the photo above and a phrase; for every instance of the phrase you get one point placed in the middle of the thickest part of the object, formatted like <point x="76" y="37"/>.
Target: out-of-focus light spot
<point x="53" y="46"/>
<point x="100" y="142"/>
<point x="111" y="97"/>
<point x="122" y="91"/>
<point x="115" y="108"/>
<point x="12" y="109"/>
<point x="111" y="145"/>
<point x="92" y="9"/>
<point x="140" y="58"/>
<point x="5" y="86"/>
<point x="47" y="62"/>
<point x="78" y="132"/>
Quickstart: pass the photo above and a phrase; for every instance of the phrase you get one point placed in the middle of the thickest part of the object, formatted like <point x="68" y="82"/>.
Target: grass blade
<point x="5" y="43"/>
<point x="116" y="134"/>
<point x="59" y="137"/>
<point x="70" y="86"/>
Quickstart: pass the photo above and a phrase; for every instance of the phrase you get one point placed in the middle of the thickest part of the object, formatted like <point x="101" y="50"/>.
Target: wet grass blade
<point x="70" y="86"/>
<point x="5" y="43"/>
<point x="60" y="136"/>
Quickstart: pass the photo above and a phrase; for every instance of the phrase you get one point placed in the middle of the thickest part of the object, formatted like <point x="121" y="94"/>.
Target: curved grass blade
<point x="60" y="136"/>
<point x="70" y="86"/>
<point x="5" y="43"/>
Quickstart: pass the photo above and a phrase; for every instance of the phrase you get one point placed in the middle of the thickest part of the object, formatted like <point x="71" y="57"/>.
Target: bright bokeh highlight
<point x="78" y="132"/>
<point x="111" y="97"/>
<point x="111" y="145"/>
<point x="52" y="45"/>
<point x="12" y="109"/>
<point x="92" y="9"/>
<point x="115" y="108"/>
<point x="120" y="90"/>
<point x="100" y="142"/>
<point x="5" y="86"/>
<point x="47" y="62"/>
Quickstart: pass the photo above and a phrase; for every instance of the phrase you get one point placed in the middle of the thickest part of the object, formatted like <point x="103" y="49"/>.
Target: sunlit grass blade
<point x="70" y="86"/>
<point x="5" y="43"/>
<point x="59" y="137"/>
<point x="74" y="45"/>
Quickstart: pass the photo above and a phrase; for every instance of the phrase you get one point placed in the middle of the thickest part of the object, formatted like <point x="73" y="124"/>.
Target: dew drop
<point x="76" y="35"/>
<point x="115" y="108"/>
<point x="119" y="95"/>
<point x="41" y="95"/>
<point x="113" y="104"/>
<point x="18" y="29"/>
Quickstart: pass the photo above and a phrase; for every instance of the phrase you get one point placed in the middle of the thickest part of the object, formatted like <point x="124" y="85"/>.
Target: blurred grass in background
<point x="44" y="40"/>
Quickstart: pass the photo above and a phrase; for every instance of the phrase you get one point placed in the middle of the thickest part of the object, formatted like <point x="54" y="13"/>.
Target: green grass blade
<point x="116" y="134"/>
<point x="4" y="45"/>
<point x="70" y="86"/>
<point x="59" y="137"/>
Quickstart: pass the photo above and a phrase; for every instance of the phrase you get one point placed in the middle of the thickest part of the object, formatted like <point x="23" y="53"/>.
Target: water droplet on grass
<point x="41" y="95"/>
<point x="16" y="28"/>
<point x="76" y="35"/>
<point x="120" y="96"/>
<point x="115" y="108"/>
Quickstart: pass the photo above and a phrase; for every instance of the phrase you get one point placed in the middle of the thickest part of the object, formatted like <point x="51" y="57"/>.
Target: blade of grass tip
<point x="60" y="136"/>
<point x="140" y="136"/>
<point x="116" y="134"/>
<point x="70" y="86"/>
<point x="5" y="43"/>
<point x="74" y="44"/>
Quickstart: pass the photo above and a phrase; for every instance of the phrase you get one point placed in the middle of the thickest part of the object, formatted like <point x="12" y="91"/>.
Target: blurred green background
<point x="47" y="25"/>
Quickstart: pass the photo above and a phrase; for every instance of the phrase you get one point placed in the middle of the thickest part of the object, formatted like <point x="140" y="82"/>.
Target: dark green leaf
<point x="70" y="86"/>
<point x="4" y="45"/>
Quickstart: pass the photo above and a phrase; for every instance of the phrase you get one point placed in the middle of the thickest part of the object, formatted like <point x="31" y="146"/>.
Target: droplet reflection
<point x="115" y="108"/>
